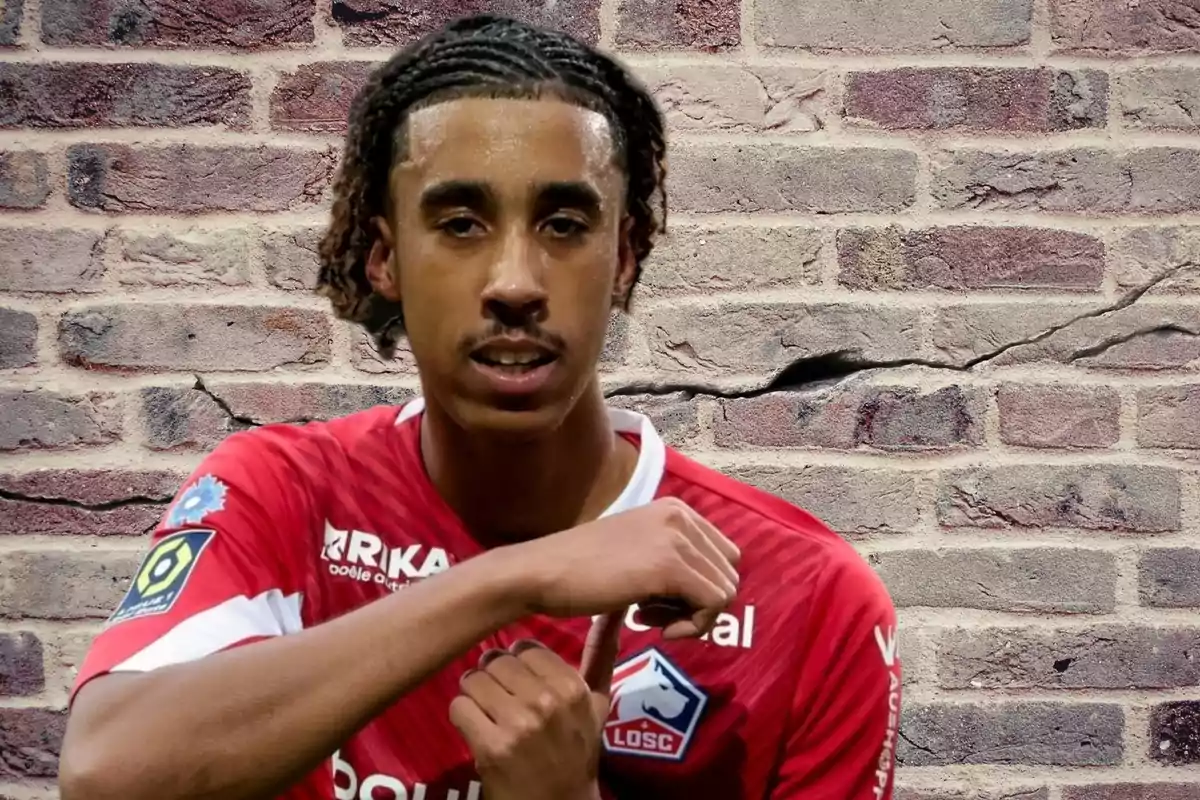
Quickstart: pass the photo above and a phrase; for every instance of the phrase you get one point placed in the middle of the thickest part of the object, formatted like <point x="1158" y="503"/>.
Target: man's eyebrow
<point x="471" y="194"/>
<point x="568" y="194"/>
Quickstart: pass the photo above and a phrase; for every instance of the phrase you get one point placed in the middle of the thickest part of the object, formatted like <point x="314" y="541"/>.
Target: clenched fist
<point x="534" y="722"/>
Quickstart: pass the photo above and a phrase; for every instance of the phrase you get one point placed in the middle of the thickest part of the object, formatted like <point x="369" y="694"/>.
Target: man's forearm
<point x="247" y="723"/>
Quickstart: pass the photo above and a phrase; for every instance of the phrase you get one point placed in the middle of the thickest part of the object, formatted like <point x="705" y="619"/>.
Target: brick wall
<point x="993" y="203"/>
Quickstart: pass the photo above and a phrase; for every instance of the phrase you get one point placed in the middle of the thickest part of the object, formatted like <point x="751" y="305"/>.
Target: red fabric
<point x="795" y="694"/>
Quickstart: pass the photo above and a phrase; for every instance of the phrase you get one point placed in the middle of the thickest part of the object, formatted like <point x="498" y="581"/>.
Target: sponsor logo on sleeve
<point x="205" y="496"/>
<point x="654" y="709"/>
<point x="888" y="648"/>
<point x="163" y="575"/>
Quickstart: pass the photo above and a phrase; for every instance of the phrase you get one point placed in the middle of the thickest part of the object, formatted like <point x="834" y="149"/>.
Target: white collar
<point x="652" y="455"/>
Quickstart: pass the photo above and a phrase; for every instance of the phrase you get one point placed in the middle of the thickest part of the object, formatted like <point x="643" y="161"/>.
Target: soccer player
<point x="399" y="603"/>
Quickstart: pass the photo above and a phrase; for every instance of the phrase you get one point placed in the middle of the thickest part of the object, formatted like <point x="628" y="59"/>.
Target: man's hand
<point x="663" y="555"/>
<point x="533" y="722"/>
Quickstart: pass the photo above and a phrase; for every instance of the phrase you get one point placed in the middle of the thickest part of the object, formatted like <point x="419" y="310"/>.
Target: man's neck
<point x="505" y="491"/>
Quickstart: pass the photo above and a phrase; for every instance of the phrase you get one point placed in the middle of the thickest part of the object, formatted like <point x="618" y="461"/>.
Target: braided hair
<point x="490" y="56"/>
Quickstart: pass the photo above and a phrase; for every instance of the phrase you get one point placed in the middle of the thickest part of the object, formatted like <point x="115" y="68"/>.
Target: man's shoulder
<point x="803" y="555"/>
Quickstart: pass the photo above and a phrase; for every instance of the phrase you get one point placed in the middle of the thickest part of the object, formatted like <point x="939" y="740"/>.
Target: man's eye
<point x="564" y="227"/>
<point x="461" y="226"/>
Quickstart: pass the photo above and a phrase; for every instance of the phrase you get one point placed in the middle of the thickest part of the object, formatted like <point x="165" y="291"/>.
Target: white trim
<point x="271" y="613"/>
<point x="652" y="457"/>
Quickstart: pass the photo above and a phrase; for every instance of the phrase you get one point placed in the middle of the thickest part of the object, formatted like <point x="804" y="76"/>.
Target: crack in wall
<point x="110" y="505"/>
<point x="805" y="372"/>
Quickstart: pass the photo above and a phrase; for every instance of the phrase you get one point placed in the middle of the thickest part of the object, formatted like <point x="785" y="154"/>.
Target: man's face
<point x="506" y="250"/>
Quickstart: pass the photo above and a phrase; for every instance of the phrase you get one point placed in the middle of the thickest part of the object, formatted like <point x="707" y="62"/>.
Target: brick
<point x="1168" y="417"/>
<point x="317" y="97"/>
<point x="115" y="95"/>
<point x="30" y="742"/>
<point x="887" y="418"/>
<point x="1137" y="337"/>
<point x="1017" y="733"/>
<point x="60" y="260"/>
<point x="218" y="24"/>
<point x="1109" y="497"/>
<point x="194" y="419"/>
<point x="391" y="22"/>
<point x="894" y="25"/>
<point x="674" y="415"/>
<point x="291" y="257"/>
<point x="857" y="502"/>
<point x="183" y="419"/>
<point x="1058" y="416"/>
<point x="366" y="359"/>
<point x="979" y="99"/>
<point x="191" y="257"/>
<point x="711" y="25"/>
<point x="1175" y="733"/>
<point x="1044" y="580"/>
<point x="1131" y="791"/>
<point x="969" y="257"/>
<point x="1087" y="181"/>
<point x="715" y="178"/>
<point x="1165" y="256"/>
<point x="738" y="99"/>
<point x="265" y="403"/>
<point x="10" y="22"/>
<point x="1159" y="98"/>
<point x="22" y="671"/>
<point x="101" y="502"/>
<point x="18" y="339"/>
<point x="1170" y="578"/>
<point x="739" y="337"/>
<point x="63" y="584"/>
<point x="192" y="179"/>
<point x="65" y="652"/>
<point x="1106" y="28"/>
<point x="702" y="259"/>
<point x="42" y="419"/>
<point x="139" y="336"/>
<point x="1103" y="657"/>
<point x="24" y="179"/>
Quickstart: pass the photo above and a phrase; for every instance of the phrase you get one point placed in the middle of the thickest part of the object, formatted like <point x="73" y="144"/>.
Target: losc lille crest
<point x="655" y="708"/>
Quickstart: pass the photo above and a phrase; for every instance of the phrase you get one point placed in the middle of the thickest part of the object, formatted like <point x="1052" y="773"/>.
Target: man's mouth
<point x="510" y="359"/>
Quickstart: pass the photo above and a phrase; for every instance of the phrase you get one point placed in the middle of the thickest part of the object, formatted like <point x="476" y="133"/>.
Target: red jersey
<point x="794" y="694"/>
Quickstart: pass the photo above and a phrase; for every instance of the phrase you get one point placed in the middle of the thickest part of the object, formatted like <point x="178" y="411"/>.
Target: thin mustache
<point x="543" y="337"/>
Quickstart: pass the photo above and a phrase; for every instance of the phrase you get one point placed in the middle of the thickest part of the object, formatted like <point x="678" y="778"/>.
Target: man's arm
<point x="217" y="693"/>
<point x="248" y="722"/>
<point x="846" y="709"/>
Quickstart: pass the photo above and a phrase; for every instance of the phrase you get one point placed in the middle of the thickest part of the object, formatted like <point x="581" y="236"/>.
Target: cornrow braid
<point x="491" y="56"/>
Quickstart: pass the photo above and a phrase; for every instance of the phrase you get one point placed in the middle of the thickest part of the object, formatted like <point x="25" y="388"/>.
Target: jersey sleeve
<point x="846" y="709"/>
<point x="223" y="566"/>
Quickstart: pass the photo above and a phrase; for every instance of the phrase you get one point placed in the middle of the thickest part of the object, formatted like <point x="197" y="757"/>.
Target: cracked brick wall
<point x="977" y="221"/>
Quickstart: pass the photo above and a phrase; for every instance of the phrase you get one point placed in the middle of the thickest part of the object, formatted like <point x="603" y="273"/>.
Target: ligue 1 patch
<point x="163" y="574"/>
<point x="204" y="497"/>
<point x="654" y="709"/>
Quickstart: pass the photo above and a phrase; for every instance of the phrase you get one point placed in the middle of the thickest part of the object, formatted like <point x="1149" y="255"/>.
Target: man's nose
<point x="516" y="293"/>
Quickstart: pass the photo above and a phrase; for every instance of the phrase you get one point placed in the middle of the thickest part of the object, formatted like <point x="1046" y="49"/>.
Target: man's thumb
<point x="600" y="652"/>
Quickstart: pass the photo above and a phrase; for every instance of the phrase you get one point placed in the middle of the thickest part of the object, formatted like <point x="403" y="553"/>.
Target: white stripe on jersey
<point x="237" y="619"/>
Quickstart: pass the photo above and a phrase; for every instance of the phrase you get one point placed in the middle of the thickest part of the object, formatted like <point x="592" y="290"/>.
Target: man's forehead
<point x="486" y="134"/>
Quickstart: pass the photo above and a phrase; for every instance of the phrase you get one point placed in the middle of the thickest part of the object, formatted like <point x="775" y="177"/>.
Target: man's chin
<point x="518" y="418"/>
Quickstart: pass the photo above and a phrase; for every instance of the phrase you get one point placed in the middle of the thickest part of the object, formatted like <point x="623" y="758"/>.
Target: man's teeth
<point x="512" y="359"/>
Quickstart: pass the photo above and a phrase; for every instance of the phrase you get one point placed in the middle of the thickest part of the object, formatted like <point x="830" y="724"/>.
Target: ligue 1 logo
<point x="654" y="710"/>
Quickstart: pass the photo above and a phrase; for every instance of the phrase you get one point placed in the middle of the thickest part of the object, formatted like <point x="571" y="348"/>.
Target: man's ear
<point x="626" y="267"/>
<point x="380" y="267"/>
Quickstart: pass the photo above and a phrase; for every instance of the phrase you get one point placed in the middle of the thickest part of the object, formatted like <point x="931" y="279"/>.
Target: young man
<point x="397" y="604"/>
